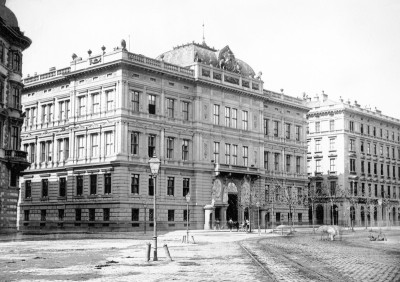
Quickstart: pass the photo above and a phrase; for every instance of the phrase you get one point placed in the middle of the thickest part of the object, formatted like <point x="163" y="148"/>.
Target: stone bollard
<point x="183" y="239"/>
<point x="193" y="240"/>
<point x="148" y="248"/>
<point x="167" y="252"/>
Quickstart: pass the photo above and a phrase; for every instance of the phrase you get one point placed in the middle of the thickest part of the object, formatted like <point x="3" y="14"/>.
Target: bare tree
<point x="289" y="198"/>
<point x="314" y="196"/>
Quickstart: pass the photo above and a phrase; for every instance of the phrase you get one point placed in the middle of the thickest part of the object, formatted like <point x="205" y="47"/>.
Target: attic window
<point x="66" y="86"/>
<point x="152" y="79"/>
<point x="81" y="81"/>
<point x="109" y="74"/>
<point x="62" y="87"/>
<point x="171" y="83"/>
<point x="186" y="87"/>
<point x="135" y="75"/>
<point x="95" y="78"/>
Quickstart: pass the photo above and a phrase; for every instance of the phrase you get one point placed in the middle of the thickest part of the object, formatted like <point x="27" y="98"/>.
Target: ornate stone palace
<point x="12" y="160"/>
<point x="353" y="164"/>
<point x="90" y="129"/>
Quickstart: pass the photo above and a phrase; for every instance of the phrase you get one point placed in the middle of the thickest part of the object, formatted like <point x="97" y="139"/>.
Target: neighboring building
<point x="12" y="160"/>
<point x="354" y="160"/>
<point x="91" y="129"/>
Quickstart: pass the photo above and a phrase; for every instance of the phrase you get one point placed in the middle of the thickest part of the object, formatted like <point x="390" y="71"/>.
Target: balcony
<point x="16" y="159"/>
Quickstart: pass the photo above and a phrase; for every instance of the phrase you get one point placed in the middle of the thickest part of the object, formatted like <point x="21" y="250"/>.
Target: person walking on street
<point x="230" y="223"/>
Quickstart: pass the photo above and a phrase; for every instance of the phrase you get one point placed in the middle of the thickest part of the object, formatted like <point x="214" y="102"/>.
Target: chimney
<point x="378" y="111"/>
<point x="52" y="69"/>
<point x="324" y="96"/>
<point x="356" y="104"/>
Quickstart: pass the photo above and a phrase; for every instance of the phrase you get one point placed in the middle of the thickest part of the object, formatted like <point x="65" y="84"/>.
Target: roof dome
<point x="7" y="15"/>
<point x="186" y="55"/>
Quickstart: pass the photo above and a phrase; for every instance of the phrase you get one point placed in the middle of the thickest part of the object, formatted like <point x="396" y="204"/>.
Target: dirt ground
<point x="215" y="256"/>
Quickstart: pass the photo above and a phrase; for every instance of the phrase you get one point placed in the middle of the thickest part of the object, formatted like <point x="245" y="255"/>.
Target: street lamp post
<point x="187" y="217"/>
<point x="154" y="163"/>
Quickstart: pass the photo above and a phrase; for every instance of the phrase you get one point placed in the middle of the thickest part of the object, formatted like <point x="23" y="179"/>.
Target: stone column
<point x="208" y="210"/>
<point x="223" y="217"/>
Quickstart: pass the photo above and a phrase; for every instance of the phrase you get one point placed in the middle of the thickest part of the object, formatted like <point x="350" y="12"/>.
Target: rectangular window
<point x="288" y="159"/>
<point x="332" y="125"/>
<point x="317" y="126"/>
<point x="234" y="118"/>
<point x="78" y="214"/>
<point x="95" y="145"/>
<point x="368" y="148"/>
<point x="287" y="130"/>
<point x="135" y="143"/>
<point x="362" y="128"/>
<point x="185" y="215"/>
<point x="375" y="168"/>
<point x="332" y="165"/>
<point x="60" y="150"/>
<point x="318" y="166"/>
<point x="81" y="105"/>
<point x="42" y="151"/>
<point x="318" y="145"/>
<point x="95" y="103"/>
<point x="276" y="128"/>
<point x="234" y="154"/>
<point x="332" y="144"/>
<point x="61" y="214"/>
<point x="216" y="114"/>
<point x="352" y="165"/>
<point x="351" y="126"/>
<point x="93" y="184"/>
<point x="227" y="116"/>
<point x="135" y="215"/>
<point x="135" y="100"/>
<point x="266" y="160"/>
<point x="362" y="146"/>
<point x="106" y="214"/>
<point x="171" y="215"/>
<point x="151" y="215"/>
<point x="15" y="138"/>
<point x="28" y="189"/>
<point x="170" y="107"/>
<point x="186" y="186"/>
<point x="185" y="110"/>
<point x="151" y="186"/>
<point x="43" y="215"/>
<point x="298" y="164"/>
<point x="245" y="156"/>
<point x="109" y="136"/>
<point x="107" y="183"/>
<point x="79" y="185"/>
<point x="216" y="152"/>
<point x="266" y="121"/>
<point x="276" y="161"/>
<point x="152" y="145"/>
<point x="16" y="97"/>
<point x="45" y="187"/>
<point x="170" y="186"/>
<point x="92" y="214"/>
<point x="63" y="186"/>
<point x="298" y="128"/>
<point x="352" y="145"/>
<point x="26" y="215"/>
<point x="152" y="104"/>
<point x="170" y="148"/>
<point x="227" y="154"/>
<point x="135" y="184"/>
<point x="110" y="100"/>
<point x="81" y="146"/>
<point x="245" y="120"/>
<point x="185" y="150"/>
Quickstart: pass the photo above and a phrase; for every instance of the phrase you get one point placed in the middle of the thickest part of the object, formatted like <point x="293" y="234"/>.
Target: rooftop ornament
<point x="103" y="48"/>
<point x="89" y="52"/>
<point x="74" y="56"/>
<point x="123" y="44"/>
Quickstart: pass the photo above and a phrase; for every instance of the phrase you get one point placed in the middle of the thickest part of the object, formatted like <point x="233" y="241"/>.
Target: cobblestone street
<point x="216" y="256"/>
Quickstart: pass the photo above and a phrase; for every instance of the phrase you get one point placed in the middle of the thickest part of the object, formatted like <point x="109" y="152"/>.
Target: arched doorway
<point x="232" y="211"/>
<point x="267" y="219"/>
<point x="334" y="214"/>
<point x="310" y="215"/>
<point x="362" y="215"/>
<point x="320" y="214"/>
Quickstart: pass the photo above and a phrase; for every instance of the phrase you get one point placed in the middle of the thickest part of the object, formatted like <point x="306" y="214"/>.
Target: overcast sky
<point x="348" y="48"/>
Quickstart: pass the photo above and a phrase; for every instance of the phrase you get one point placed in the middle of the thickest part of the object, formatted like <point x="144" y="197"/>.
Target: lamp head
<point x="154" y="163"/>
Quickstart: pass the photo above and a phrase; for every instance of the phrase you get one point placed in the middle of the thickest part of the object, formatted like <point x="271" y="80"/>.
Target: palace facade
<point x="12" y="159"/>
<point x="353" y="164"/>
<point x="91" y="128"/>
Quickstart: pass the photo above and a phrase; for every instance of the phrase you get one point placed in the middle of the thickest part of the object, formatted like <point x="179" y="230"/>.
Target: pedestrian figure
<point x="217" y="224"/>
<point x="237" y="226"/>
<point x="230" y="223"/>
<point x="247" y="225"/>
